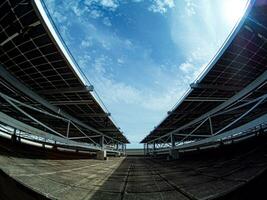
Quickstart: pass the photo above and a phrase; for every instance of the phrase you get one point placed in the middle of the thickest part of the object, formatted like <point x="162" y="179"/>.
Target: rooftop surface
<point x="209" y="175"/>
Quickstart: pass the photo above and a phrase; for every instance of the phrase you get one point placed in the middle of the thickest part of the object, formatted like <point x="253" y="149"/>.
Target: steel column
<point x="172" y="141"/>
<point x="211" y="128"/>
<point x="68" y="129"/>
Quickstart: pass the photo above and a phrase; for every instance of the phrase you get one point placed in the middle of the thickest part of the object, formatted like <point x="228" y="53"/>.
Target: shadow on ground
<point x="230" y="172"/>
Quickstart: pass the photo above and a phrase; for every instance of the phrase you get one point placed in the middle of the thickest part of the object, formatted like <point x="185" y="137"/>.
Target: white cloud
<point x="95" y="13"/>
<point x="57" y="14"/>
<point x="112" y="91"/>
<point x="163" y="84"/>
<point x="190" y="7"/>
<point x="107" y="21"/>
<point x="128" y="43"/>
<point x="108" y="4"/>
<point x="194" y="65"/>
<point x="87" y="42"/>
<point x="59" y="17"/>
<point x="161" y="6"/>
<point x="187" y="67"/>
<point x="99" y="65"/>
<point x="198" y="37"/>
<point x="89" y="8"/>
<point x="120" y="60"/>
<point x="84" y="60"/>
<point x="78" y="11"/>
<point x="106" y="44"/>
<point x="116" y="92"/>
<point x="163" y="100"/>
<point x="112" y="4"/>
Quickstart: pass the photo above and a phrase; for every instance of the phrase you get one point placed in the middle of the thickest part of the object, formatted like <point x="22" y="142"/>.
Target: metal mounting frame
<point x="167" y="141"/>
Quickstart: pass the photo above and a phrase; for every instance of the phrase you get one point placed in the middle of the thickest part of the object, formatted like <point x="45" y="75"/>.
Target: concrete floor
<point x="61" y="179"/>
<point x="137" y="178"/>
<point x="131" y="178"/>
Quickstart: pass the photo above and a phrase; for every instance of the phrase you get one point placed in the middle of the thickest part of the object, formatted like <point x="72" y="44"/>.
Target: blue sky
<point x="141" y="55"/>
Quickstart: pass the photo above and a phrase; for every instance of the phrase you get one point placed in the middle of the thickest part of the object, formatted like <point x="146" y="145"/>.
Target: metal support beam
<point x="249" y="88"/>
<point x="29" y="130"/>
<point x="144" y="148"/>
<point x="78" y="102"/>
<point x="31" y="107"/>
<point x="78" y="138"/>
<point x="26" y="128"/>
<point x="93" y="136"/>
<point x="9" y="38"/>
<point x="18" y="33"/>
<point x="31" y="117"/>
<point x="108" y="129"/>
<point x="67" y="90"/>
<point x="18" y="85"/>
<point x="227" y="134"/>
<point x="203" y="122"/>
<point x="14" y="136"/>
<point x="95" y="115"/>
<point x="11" y="101"/>
<point x="68" y="129"/>
<point x="239" y="118"/>
<point x="211" y="128"/>
<point x="172" y="141"/>
<point x="102" y="142"/>
<point x="14" y="131"/>
<point x="215" y="87"/>
<point x="183" y="112"/>
<point x="164" y="128"/>
<point x="83" y="133"/>
<point x="205" y="99"/>
<point x="192" y="135"/>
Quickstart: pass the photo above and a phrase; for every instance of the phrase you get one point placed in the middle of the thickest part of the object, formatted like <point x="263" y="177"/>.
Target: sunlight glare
<point x="233" y="10"/>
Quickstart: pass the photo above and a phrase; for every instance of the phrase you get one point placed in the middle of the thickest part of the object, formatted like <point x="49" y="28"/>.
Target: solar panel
<point x="31" y="54"/>
<point x="238" y="65"/>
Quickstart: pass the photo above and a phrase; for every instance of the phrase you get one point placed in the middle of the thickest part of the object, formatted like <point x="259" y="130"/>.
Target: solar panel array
<point x="29" y="52"/>
<point x="238" y="65"/>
